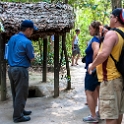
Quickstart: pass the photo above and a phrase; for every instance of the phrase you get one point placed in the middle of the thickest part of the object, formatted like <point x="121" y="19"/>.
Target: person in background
<point x="52" y="42"/>
<point x="91" y="81"/>
<point x="75" y="48"/>
<point x="112" y="86"/>
<point x="103" y="30"/>
<point x="21" y="54"/>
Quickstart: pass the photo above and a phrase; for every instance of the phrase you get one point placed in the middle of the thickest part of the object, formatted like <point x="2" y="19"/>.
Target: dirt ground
<point x="68" y="108"/>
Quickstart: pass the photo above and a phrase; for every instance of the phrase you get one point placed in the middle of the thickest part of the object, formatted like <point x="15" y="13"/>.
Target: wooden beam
<point x="2" y="69"/>
<point x="44" y="59"/>
<point x="56" y="65"/>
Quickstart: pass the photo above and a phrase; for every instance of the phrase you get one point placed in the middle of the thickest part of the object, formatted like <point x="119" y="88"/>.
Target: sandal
<point x="76" y="63"/>
<point x="86" y="103"/>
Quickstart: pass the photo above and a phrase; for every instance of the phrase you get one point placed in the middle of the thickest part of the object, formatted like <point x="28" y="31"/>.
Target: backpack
<point x="120" y="64"/>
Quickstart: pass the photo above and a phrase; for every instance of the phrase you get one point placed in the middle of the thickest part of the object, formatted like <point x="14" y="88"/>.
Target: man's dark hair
<point x="23" y="28"/>
<point x="107" y="27"/>
<point x="77" y="30"/>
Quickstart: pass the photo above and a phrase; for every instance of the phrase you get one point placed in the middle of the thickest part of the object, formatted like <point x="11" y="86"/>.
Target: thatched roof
<point x="49" y="18"/>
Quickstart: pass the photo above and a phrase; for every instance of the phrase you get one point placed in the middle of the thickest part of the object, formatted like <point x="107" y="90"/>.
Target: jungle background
<point x="85" y="11"/>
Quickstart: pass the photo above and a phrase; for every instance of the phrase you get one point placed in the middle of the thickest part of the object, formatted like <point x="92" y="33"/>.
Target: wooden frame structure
<point x="3" y="40"/>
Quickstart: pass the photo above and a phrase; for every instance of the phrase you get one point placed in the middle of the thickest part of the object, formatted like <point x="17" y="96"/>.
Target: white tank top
<point x="76" y="40"/>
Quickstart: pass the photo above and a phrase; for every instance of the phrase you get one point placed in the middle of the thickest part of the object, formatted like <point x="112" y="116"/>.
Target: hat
<point x="119" y="12"/>
<point x="28" y="24"/>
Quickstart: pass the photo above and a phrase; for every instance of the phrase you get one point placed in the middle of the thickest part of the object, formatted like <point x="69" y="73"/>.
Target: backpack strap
<point x="119" y="31"/>
<point x="122" y="35"/>
<point x="113" y="58"/>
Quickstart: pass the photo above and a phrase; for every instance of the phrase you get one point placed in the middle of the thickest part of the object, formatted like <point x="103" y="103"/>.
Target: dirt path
<point x="68" y="108"/>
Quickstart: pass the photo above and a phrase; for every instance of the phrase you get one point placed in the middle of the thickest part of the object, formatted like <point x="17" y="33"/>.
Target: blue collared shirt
<point x="20" y="51"/>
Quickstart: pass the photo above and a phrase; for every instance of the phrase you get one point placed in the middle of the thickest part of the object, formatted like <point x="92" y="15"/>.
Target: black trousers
<point x="19" y="85"/>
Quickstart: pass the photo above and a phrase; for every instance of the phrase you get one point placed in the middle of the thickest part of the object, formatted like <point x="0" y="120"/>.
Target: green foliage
<point x="50" y="59"/>
<point x="69" y="37"/>
<point x="68" y="78"/>
<point x="38" y="60"/>
<point x="48" y="1"/>
<point x="86" y="12"/>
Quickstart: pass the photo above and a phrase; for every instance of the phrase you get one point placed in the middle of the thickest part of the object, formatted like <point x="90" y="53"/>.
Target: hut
<point x="50" y="19"/>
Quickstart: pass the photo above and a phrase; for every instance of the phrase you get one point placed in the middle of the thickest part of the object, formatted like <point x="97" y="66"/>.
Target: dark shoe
<point x="27" y="112"/>
<point x="73" y="65"/>
<point x="76" y="64"/>
<point x="85" y="103"/>
<point x="22" y="119"/>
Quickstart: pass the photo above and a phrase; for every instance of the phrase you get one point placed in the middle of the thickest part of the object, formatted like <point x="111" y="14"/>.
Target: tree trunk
<point x="116" y="4"/>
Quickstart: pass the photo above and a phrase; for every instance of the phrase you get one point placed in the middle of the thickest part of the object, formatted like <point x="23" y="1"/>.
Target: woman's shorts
<point x="91" y="82"/>
<point x="76" y="50"/>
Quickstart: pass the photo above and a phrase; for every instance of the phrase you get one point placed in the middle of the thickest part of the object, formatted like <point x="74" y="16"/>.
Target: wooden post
<point x="67" y="62"/>
<point x="44" y="59"/>
<point x="3" y="80"/>
<point x="2" y="69"/>
<point x="56" y="65"/>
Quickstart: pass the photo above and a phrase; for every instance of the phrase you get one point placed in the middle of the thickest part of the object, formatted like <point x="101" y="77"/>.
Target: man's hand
<point x="90" y="68"/>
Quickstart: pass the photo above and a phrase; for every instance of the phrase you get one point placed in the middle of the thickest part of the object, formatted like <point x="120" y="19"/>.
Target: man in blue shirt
<point x="20" y="55"/>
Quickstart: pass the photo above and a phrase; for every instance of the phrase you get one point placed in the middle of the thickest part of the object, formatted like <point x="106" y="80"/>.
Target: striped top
<point x="107" y="70"/>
